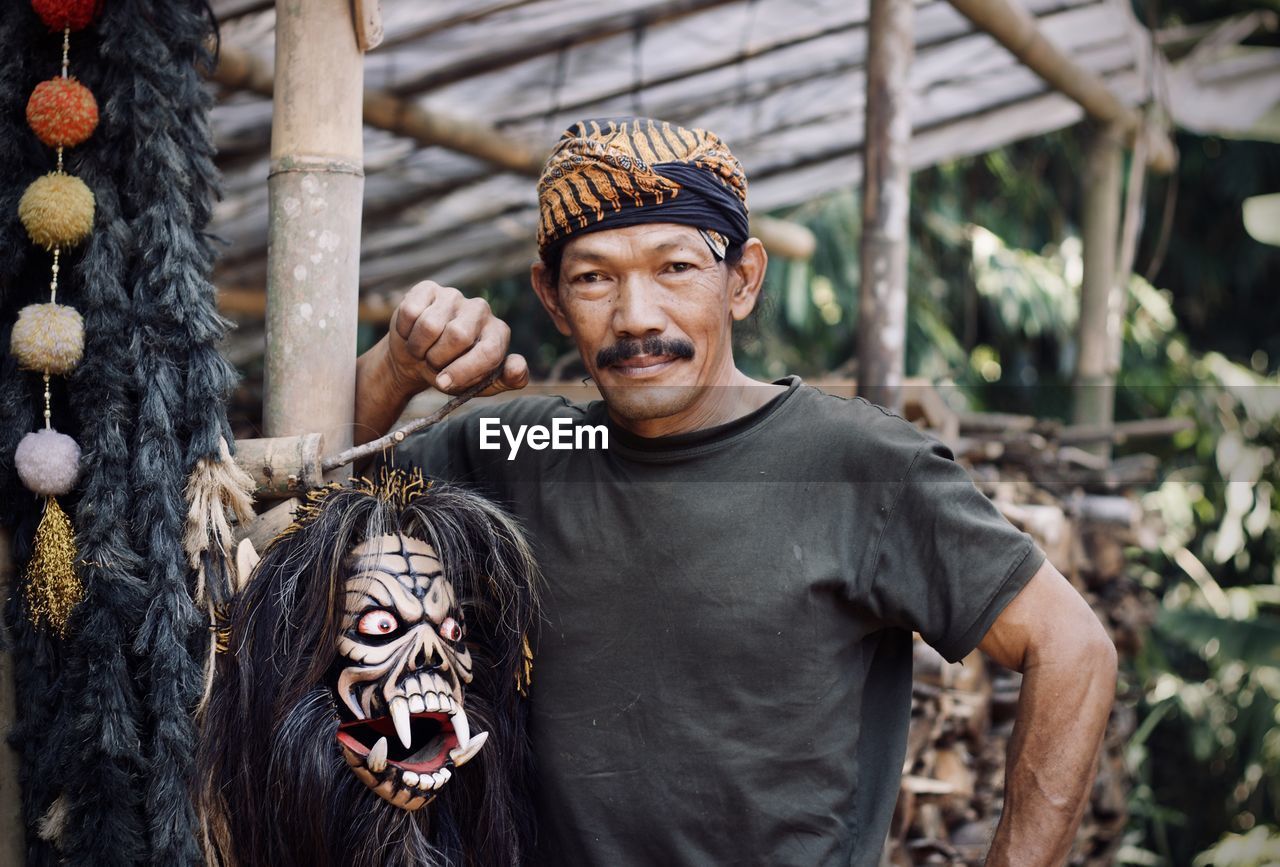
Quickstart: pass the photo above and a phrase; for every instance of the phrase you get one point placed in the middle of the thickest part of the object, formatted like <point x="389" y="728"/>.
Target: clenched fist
<point x="441" y="338"/>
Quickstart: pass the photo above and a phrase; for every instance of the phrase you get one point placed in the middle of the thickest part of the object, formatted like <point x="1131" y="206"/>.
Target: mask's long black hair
<point x="274" y="789"/>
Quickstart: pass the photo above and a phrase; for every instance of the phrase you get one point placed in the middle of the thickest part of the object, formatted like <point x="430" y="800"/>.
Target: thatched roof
<point x="781" y="82"/>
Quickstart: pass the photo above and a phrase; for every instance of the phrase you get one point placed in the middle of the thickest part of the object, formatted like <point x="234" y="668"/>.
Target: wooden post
<point x="1102" y="295"/>
<point x="886" y="188"/>
<point x="13" y="833"/>
<point x="315" y="189"/>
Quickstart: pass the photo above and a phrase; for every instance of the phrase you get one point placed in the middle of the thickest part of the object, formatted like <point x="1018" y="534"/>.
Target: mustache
<point x="652" y="345"/>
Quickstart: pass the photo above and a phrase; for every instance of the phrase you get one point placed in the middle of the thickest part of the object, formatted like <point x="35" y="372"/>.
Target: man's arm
<point x="438" y="339"/>
<point x="1068" y="664"/>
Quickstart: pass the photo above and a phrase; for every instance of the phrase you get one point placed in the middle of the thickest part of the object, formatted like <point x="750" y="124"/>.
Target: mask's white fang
<point x="400" y="716"/>
<point x="461" y="727"/>
<point x="462" y="755"/>
<point x="377" y="758"/>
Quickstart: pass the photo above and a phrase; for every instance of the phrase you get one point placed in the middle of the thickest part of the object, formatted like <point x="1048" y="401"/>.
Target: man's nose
<point x="638" y="311"/>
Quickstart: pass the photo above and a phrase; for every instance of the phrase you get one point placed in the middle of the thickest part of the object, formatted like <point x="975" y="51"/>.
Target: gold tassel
<point x="53" y="588"/>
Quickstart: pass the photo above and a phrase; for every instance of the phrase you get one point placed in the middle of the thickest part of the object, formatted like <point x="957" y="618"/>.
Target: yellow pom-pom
<point x="57" y="210"/>
<point x="48" y="337"/>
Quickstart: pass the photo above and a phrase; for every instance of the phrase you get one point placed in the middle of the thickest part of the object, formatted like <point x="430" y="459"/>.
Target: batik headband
<point x="615" y="172"/>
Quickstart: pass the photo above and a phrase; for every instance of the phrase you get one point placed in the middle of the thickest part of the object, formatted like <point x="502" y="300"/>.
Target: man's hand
<point x="438" y="339"/>
<point x="1068" y="666"/>
<point x="442" y="339"/>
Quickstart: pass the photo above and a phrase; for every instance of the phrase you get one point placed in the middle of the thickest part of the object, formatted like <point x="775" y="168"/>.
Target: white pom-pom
<point x="48" y="462"/>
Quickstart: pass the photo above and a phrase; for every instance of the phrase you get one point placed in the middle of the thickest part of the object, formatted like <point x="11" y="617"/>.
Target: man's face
<point x="651" y="310"/>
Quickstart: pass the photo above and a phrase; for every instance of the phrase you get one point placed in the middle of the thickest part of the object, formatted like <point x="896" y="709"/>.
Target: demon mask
<point x="403" y="670"/>
<point x="367" y="707"/>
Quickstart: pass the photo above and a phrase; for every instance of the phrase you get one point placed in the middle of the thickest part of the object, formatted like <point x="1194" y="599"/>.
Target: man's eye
<point x="681" y="267"/>
<point x="589" y="277"/>
<point x="377" y="623"/>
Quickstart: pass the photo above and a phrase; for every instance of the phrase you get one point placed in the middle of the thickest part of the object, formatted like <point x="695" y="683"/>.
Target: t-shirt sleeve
<point x="947" y="562"/>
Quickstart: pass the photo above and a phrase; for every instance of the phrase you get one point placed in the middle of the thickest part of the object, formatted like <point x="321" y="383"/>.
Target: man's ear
<point x="746" y="278"/>
<point x="549" y="295"/>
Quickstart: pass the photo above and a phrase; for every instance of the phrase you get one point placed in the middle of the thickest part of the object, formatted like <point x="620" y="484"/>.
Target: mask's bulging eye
<point x="377" y="623"/>
<point x="451" y="630"/>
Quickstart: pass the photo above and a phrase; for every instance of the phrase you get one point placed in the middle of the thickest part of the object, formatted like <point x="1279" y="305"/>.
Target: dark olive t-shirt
<point x="723" y="675"/>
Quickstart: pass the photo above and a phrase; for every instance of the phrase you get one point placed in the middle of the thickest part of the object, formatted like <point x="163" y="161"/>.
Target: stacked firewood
<point x="962" y="715"/>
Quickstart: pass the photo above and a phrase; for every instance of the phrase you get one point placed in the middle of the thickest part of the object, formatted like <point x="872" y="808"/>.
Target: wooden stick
<point x="357" y="453"/>
<point x="1125" y="430"/>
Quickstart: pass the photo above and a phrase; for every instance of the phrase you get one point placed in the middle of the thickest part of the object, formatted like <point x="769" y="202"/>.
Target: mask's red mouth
<point x="432" y="739"/>
<point x="405" y="758"/>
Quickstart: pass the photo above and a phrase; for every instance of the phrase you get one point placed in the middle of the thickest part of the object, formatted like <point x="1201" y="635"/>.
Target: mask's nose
<point x="425" y="653"/>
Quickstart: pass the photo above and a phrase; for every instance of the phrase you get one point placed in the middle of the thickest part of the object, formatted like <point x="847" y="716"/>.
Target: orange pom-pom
<point x="62" y="112"/>
<point x="57" y="210"/>
<point x="60" y="14"/>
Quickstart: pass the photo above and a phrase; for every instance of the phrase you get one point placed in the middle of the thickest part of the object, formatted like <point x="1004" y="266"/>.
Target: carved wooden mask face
<point x="403" y="667"/>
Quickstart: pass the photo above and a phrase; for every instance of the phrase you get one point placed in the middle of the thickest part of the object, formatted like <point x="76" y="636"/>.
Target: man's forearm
<point x="1053" y="754"/>
<point x="380" y="396"/>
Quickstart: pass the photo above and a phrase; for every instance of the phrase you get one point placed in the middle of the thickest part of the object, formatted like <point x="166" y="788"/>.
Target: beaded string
<point x="57" y="211"/>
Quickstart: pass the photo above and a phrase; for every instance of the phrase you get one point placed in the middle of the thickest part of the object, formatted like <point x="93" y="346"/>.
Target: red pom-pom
<point x="62" y="112"/>
<point x="60" y="14"/>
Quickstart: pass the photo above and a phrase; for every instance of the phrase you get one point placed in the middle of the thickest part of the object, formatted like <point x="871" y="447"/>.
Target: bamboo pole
<point x="1102" y="295"/>
<point x="1015" y="28"/>
<point x="315" y="189"/>
<point x="886" y="190"/>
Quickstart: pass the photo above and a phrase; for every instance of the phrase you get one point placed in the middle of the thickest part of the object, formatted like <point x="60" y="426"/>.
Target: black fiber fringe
<point x="105" y="717"/>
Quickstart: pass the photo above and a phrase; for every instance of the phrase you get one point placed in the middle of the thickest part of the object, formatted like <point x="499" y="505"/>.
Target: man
<point x="724" y="674"/>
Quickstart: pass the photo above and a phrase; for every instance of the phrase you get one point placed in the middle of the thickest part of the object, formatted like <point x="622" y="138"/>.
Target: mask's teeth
<point x="400" y="716"/>
<point x="462" y="755"/>
<point x="377" y="758"/>
<point x="461" y="727"/>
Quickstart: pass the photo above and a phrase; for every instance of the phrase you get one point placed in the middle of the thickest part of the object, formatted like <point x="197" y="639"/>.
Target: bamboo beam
<point x="590" y="22"/>
<point x="886" y="189"/>
<point x="1013" y="27"/>
<point x="315" y="192"/>
<point x="241" y="70"/>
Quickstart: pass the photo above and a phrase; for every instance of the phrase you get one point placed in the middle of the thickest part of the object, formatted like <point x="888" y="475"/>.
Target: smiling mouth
<point x="407" y="764"/>
<point x="639" y="365"/>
